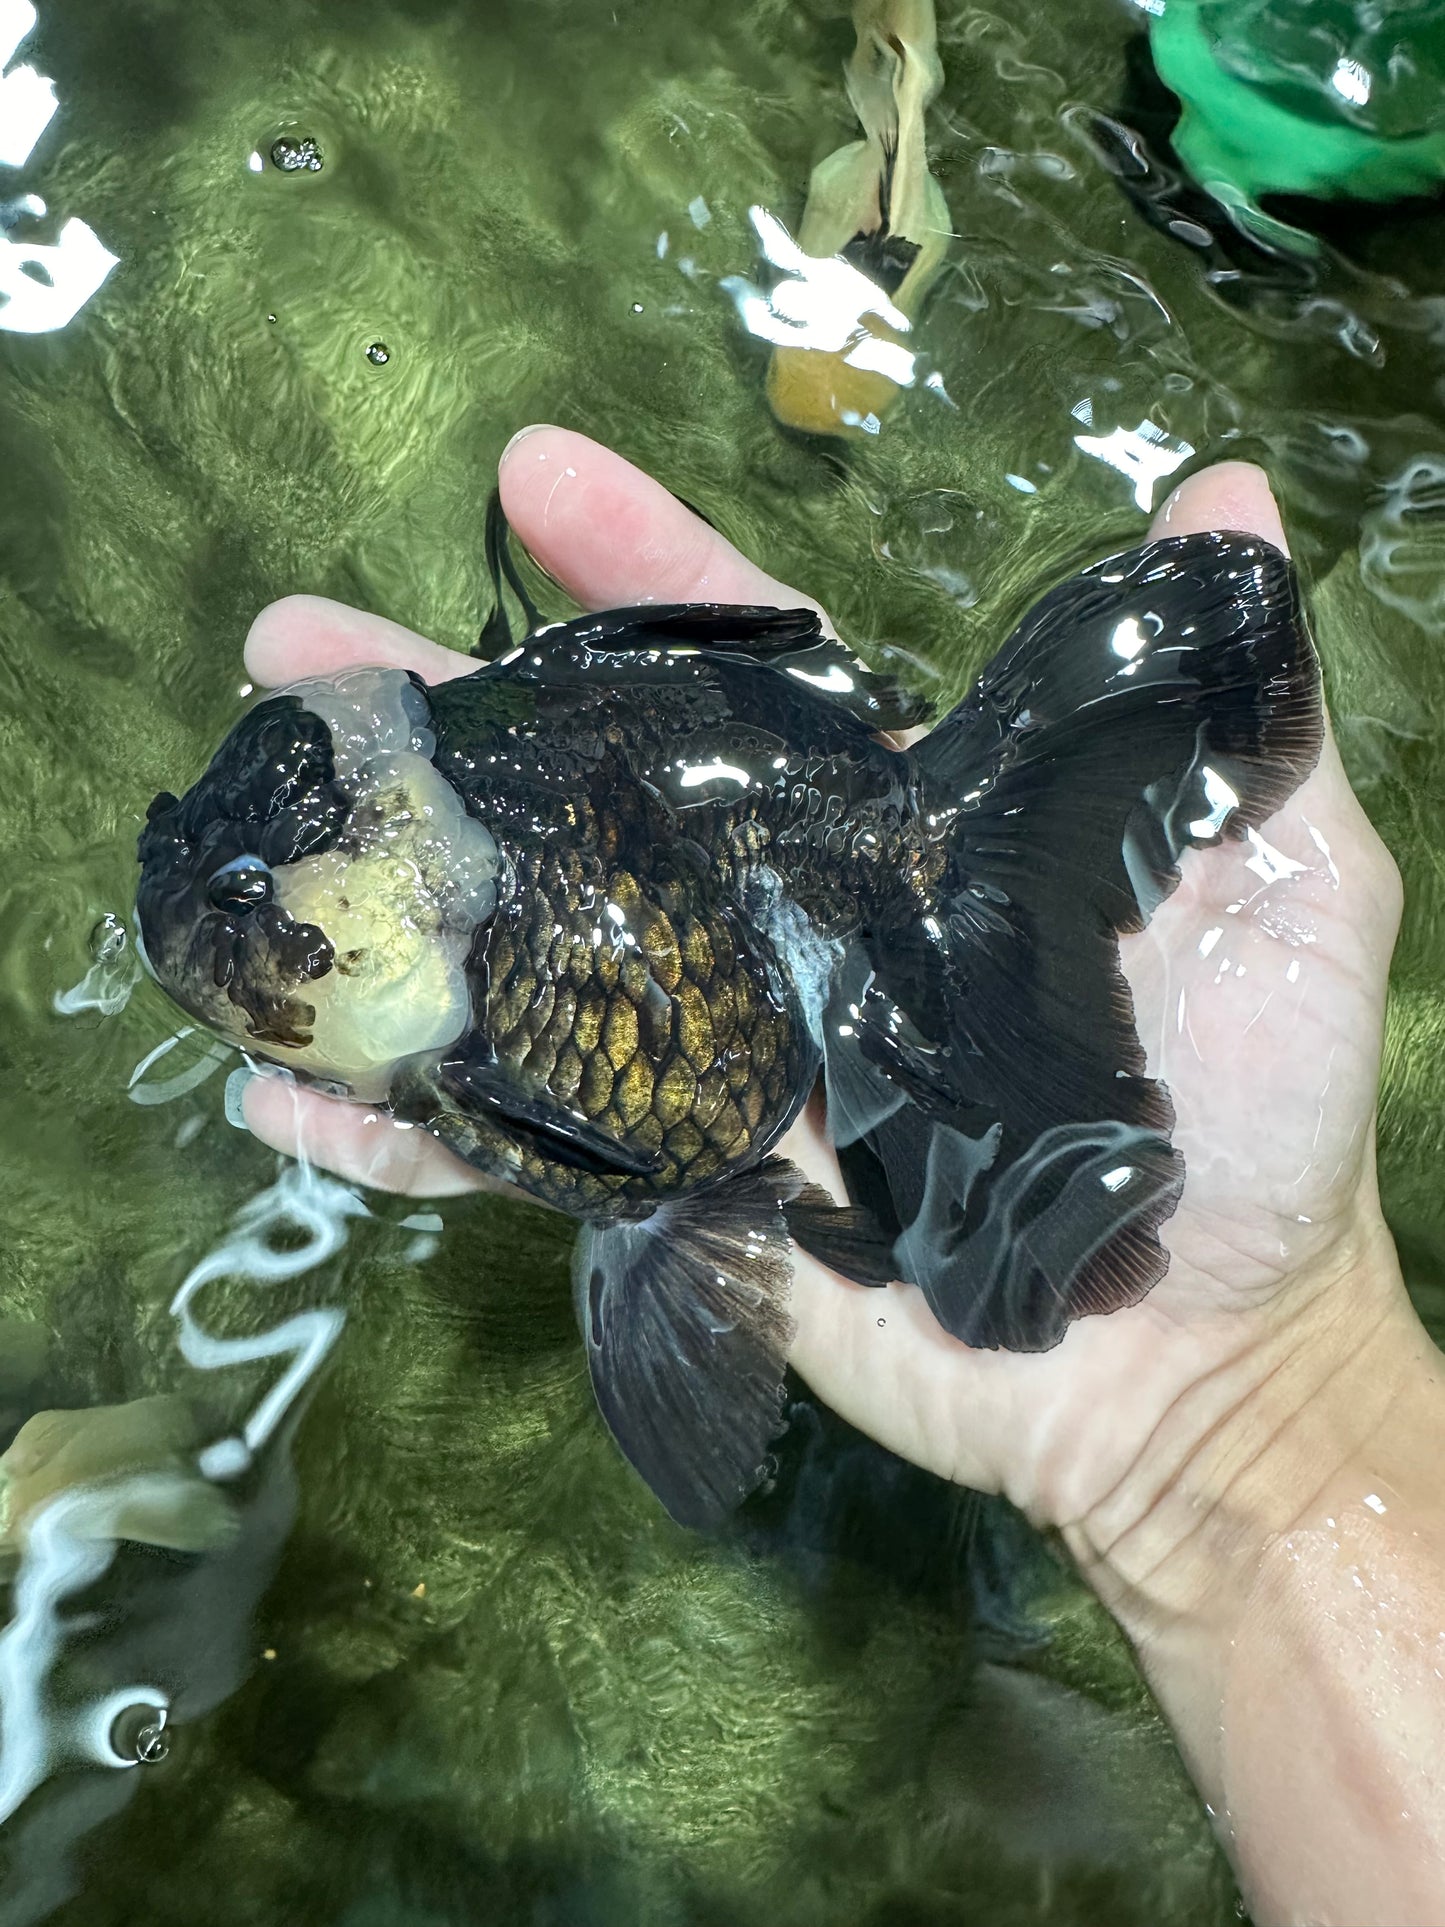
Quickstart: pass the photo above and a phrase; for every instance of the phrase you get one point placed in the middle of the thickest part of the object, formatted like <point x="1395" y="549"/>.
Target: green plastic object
<point x="1326" y="98"/>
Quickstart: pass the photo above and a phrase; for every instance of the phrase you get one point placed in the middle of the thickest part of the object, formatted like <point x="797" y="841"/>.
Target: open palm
<point x="1259" y="994"/>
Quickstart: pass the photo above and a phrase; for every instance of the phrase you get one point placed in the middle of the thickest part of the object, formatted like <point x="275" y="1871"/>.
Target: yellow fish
<point x="142" y="1454"/>
<point x="874" y="204"/>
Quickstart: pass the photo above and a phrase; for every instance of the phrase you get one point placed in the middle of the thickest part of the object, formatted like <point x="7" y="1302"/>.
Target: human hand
<point x="1259" y="993"/>
<point x="1216" y="1454"/>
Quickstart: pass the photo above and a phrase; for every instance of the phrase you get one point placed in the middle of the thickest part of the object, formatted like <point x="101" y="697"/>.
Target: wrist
<point x="1277" y="1555"/>
<point x="1303" y="1398"/>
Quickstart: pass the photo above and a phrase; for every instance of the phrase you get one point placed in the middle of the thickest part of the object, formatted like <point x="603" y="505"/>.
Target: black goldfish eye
<point x="242" y="884"/>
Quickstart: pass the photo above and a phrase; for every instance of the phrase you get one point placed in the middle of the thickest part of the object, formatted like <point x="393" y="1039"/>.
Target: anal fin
<point x="686" y="1322"/>
<point x="848" y="1237"/>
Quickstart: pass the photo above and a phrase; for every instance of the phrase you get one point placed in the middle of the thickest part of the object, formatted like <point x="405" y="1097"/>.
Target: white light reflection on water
<point x="1144" y="456"/>
<point x="820" y="303"/>
<point x="1351" y="81"/>
<point x="41" y="287"/>
<point x="74" y="269"/>
<point x="27" y="99"/>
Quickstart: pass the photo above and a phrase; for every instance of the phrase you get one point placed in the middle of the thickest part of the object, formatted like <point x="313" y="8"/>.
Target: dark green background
<point x="589" y="1717"/>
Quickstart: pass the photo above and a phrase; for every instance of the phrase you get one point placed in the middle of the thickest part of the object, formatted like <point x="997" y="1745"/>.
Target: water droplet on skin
<point x="296" y="155"/>
<point x="378" y="354"/>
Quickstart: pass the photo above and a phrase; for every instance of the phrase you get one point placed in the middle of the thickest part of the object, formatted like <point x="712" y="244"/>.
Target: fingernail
<point x="236" y="1096"/>
<point x="521" y="435"/>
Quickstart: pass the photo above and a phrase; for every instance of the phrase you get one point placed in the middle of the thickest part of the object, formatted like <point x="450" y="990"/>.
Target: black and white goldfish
<point x="600" y="914"/>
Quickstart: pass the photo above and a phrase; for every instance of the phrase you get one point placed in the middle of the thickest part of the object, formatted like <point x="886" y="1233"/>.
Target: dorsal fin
<point x="495" y="637"/>
<point x="790" y="640"/>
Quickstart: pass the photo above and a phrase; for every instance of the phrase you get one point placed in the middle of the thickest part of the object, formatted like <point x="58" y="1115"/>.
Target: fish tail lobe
<point x="1164" y="700"/>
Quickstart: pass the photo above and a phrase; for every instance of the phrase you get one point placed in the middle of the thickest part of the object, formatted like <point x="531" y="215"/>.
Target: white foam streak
<point x="104" y="987"/>
<point x="301" y="1200"/>
<point x="71" y="1543"/>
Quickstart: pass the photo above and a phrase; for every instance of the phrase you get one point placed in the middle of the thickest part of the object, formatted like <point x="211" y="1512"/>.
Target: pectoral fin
<point x="557" y="1131"/>
<point x="686" y="1322"/>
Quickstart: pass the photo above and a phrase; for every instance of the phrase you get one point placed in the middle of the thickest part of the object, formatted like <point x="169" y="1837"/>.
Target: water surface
<point x="458" y="1667"/>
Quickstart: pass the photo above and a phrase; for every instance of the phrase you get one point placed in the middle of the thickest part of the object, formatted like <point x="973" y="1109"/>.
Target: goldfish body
<point x="601" y="913"/>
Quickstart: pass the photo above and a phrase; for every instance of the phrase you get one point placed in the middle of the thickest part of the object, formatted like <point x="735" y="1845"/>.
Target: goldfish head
<point x="315" y="895"/>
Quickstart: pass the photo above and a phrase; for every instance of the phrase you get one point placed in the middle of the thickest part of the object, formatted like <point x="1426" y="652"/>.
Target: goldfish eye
<point x="242" y="884"/>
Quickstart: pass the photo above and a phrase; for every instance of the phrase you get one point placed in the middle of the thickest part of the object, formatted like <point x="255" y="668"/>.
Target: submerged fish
<point x="875" y="204"/>
<point x="138" y="1460"/>
<point x="599" y="914"/>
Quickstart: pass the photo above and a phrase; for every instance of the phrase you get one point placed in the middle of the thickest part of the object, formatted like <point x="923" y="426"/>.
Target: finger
<point x="357" y="1142"/>
<point x="880" y="1359"/>
<point x="611" y="535"/>
<point x="309" y="635"/>
<point x="1231" y="495"/>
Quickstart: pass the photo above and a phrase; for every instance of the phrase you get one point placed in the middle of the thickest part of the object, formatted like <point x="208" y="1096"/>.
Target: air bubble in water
<point x="378" y="354"/>
<point x="107" y="939"/>
<point x="296" y="156"/>
<point x="112" y="975"/>
<point x="139" y="1736"/>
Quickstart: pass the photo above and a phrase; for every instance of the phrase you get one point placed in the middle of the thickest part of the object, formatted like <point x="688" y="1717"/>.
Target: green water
<point x="457" y="1667"/>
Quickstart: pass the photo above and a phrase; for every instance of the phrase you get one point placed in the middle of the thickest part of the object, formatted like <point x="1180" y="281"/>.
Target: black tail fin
<point x="1159" y="691"/>
<point x="1164" y="699"/>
